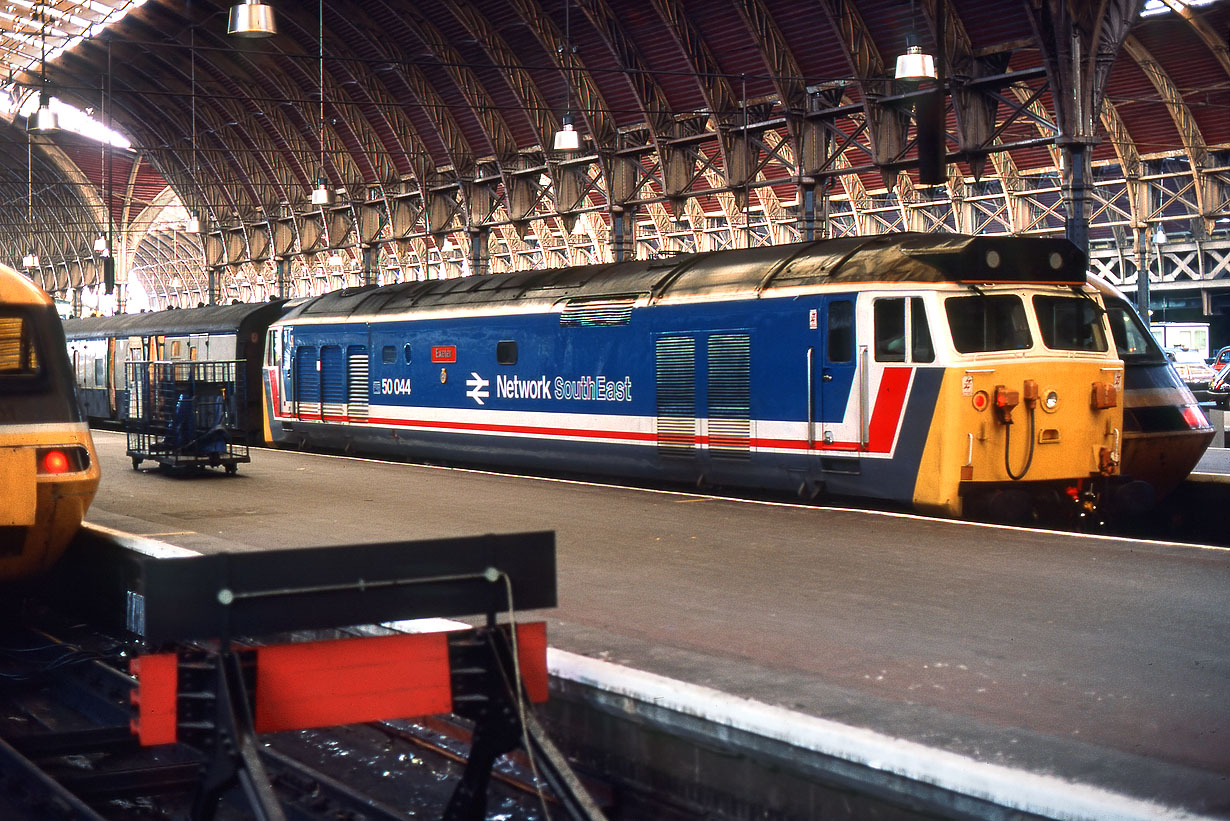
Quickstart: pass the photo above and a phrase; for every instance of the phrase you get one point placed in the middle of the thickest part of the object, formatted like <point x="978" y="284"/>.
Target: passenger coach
<point x="957" y="374"/>
<point x="101" y="347"/>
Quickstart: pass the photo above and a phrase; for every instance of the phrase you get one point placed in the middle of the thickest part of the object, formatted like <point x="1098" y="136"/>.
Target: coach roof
<point x="181" y="321"/>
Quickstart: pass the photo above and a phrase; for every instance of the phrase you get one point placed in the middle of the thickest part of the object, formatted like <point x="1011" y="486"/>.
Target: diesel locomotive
<point x="958" y="375"/>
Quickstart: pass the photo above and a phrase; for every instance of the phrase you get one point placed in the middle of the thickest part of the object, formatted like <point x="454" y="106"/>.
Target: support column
<point x="1076" y="194"/>
<point x="283" y="264"/>
<point x="623" y="237"/>
<point x="480" y="250"/>
<point x="1142" y="273"/>
<point x="215" y="282"/>
<point x="807" y="209"/>
<point x="369" y="263"/>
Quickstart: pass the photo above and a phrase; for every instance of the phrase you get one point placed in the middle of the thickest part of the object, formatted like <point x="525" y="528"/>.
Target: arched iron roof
<point x="707" y="124"/>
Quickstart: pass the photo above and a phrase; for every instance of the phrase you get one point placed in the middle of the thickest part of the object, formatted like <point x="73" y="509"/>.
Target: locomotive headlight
<point x="1050" y="401"/>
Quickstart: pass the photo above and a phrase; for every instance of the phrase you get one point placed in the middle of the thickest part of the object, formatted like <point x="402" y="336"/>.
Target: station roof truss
<point x="705" y="124"/>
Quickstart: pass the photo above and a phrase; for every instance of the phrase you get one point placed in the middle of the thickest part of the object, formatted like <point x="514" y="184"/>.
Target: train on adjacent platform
<point x="1165" y="431"/>
<point x="48" y="468"/>
<point x="971" y="376"/>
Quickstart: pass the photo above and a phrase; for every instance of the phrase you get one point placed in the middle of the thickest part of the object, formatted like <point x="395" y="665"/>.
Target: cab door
<point x="832" y="367"/>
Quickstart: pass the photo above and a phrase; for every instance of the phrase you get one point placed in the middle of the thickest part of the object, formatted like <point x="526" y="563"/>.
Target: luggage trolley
<point x="186" y="414"/>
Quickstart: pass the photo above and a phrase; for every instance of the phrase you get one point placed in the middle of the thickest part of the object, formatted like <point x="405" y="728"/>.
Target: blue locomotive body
<point x="712" y="392"/>
<point x="861" y="367"/>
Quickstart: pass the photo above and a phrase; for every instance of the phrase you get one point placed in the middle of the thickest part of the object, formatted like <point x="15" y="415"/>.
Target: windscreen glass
<point x="988" y="323"/>
<point x="1133" y="341"/>
<point x="1070" y="323"/>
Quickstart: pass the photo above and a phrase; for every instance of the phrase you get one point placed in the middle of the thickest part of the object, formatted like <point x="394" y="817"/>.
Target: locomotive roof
<point x="177" y="321"/>
<point x="900" y="257"/>
<point x="18" y="289"/>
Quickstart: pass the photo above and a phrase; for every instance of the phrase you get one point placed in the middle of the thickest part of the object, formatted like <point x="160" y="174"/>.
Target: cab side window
<point x="889" y="323"/>
<point x="893" y="326"/>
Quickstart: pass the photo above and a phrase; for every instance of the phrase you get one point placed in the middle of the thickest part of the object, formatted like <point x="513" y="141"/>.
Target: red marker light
<point x="55" y="462"/>
<point x="1194" y="416"/>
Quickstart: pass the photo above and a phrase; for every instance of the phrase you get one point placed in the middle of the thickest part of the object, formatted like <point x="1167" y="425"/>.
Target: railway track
<point x="66" y="750"/>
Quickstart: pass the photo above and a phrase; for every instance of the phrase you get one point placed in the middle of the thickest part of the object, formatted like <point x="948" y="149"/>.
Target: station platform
<point x="1087" y="675"/>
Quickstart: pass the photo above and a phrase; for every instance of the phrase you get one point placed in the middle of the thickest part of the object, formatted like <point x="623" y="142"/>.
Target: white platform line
<point x="1017" y="789"/>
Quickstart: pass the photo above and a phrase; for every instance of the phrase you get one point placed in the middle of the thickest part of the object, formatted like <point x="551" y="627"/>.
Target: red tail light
<point x="1194" y="417"/>
<point x="54" y="461"/>
<point x="67" y="459"/>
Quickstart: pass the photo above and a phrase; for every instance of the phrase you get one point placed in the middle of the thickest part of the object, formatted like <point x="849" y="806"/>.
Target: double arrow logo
<point x="477" y="388"/>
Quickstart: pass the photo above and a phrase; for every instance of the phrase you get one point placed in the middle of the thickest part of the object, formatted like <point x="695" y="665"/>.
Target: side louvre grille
<point x="307" y="383"/>
<point x="356" y="377"/>
<point x="332" y="382"/>
<point x="676" y="372"/>
<point x="730" y="426"/>
<point x="595" y="312"/>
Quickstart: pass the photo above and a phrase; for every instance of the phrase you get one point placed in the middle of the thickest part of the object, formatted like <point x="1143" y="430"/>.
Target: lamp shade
<point x="335" y="260"/>
<point x="43" y="121"/>
<point x="915" y="65"/>
<point x="194" y="225"/>
<point x="100" y="245"/>
<point x="321" y="195"/>
<point x="567" y="138"/>
<point x="30" y="260"/>
<point x="1160" y="237"/>
<point x="251" y="19"/>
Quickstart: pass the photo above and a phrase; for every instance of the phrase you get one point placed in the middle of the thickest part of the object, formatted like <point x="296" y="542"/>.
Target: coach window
<point x="388" y="355"/>
<point x="506" y="353"/>
<point x="840" y="340"/>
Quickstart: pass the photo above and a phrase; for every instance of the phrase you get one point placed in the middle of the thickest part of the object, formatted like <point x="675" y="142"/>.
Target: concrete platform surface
<point x="1097" y="660"/>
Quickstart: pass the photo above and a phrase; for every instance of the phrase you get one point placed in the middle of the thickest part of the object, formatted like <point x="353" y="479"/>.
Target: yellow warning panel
<point x="19" y="488"/>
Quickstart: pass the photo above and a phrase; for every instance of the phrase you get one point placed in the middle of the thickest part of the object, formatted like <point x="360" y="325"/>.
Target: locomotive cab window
<point x="1133" y="342"/>
<point x="893" y="327"/>
<point x="1070" y="324"/>
<point x="18" y="348"/>
<point x="988" y="323"/>
<point x="889" y="330"/>
<point x="840" y="340"/>
<point x="506" y="353"/>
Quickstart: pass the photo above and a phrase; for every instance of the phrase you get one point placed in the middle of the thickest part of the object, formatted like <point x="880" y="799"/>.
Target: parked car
<point x="1219" y="388"/>
<point x="1193" y="370"/>
<point x="1220" y="359"/>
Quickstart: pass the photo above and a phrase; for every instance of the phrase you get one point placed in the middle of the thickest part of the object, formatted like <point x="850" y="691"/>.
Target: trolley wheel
<point x="232" y="469"/>
<point x="136" y="463"/>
